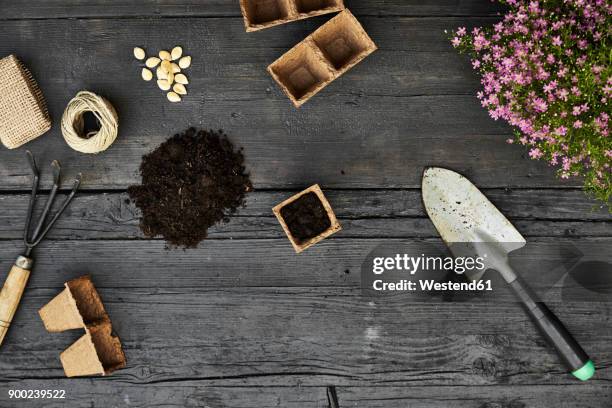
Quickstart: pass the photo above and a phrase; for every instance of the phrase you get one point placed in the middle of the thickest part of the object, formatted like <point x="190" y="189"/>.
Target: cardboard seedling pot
<point x="98" y="352"/>
<point x="333" y="228"/>
<point x="260" y="14"/>
<point x="78" y="306"/>
<point x="320" y="58"/>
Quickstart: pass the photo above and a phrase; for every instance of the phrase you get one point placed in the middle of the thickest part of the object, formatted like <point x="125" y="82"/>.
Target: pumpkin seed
<point x="166" y="66"/>
<point x="181" y="79"/>
<point x="161" y="74"/>
<point x="163" y="84"/>
<point x="176" y="53"/>
<point x="168" y="73"/>
<point x="180" y="89"/>
<point x="185" y="62"/>
<point x="146" y="74"/>
<point x="152" y="62"/>
<point x="139" y="53"/>
<point x="173" y="97"/>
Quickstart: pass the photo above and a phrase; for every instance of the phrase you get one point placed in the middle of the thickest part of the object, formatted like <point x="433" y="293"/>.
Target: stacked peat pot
<point x="260" y="14"/>
<point x="323" y="56"/>
<point x="78" y="306"/>
<point x="320" y="58"/>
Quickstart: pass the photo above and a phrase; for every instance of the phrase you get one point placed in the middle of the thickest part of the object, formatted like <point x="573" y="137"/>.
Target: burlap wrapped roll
<point x="23" y="110"/>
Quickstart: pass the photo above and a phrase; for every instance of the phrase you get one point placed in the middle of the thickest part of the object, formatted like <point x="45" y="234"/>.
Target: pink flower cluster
<point x="546" y="71"/>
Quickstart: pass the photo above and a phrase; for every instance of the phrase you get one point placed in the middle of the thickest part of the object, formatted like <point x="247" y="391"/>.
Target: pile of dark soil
<point x="306" y="217"/>
<point x="189" y="183"/>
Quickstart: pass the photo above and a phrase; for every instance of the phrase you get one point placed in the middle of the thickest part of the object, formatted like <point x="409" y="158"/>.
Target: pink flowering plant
<point x="545" y="70"/>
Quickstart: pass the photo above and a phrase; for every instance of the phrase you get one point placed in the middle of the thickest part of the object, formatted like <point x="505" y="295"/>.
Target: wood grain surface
<point x="364" y="213"/>
<point x="40" y="9"/>
<point x="409" y="105"/>
<point x="242" y="321"/>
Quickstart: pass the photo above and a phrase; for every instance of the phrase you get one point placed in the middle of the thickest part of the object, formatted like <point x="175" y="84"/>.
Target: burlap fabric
<point x="23" y="111"/>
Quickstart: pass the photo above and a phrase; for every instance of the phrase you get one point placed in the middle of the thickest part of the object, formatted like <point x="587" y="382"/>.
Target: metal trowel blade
<point x="464" y="216"/>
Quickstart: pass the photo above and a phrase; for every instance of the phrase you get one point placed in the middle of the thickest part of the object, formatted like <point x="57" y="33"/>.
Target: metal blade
<point x="463" y="215"/>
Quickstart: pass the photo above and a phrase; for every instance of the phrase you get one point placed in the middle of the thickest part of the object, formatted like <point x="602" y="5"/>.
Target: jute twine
<point x="73" y="124"/>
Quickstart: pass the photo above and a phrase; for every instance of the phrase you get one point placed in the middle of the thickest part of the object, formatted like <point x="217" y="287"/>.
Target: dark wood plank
<point x="250" y="262"/>
<point x="571" y="396"/>
<point x="408" y="106"/>
<point x="301" y="336"/>
<point x="150" y="8"/>
<point x="181" y="394"/>
<point x="84" y="393"/>
<point x="363" y="213"/>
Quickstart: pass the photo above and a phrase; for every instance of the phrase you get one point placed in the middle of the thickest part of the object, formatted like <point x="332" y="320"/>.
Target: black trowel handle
<point x="573" y="356"/>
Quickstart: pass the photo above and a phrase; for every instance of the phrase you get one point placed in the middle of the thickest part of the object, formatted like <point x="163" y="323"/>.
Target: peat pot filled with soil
<point x="307" y="218"/>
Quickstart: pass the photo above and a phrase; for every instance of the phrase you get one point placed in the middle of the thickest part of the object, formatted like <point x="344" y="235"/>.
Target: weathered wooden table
<point x="242" y="321"/>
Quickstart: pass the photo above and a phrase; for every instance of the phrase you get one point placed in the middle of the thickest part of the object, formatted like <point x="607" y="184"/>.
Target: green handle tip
<point x="585" y="372"/>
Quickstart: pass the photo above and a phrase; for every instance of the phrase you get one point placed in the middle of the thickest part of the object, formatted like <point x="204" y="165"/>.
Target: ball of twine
<point x="73" y="123"/>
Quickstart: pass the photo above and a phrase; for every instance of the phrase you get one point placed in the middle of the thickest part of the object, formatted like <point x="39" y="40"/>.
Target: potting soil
<point x="191" y="182"/>
<point x="306" y="217"/>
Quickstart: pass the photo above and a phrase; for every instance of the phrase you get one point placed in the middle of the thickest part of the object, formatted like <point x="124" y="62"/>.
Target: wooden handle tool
<point x="12" y="291"/>
<point x="20" y="272"/>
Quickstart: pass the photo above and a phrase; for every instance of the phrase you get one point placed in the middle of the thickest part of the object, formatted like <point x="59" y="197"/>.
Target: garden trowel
<point x="469" y="223"/>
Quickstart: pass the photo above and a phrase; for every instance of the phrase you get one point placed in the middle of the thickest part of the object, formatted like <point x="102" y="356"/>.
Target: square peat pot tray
<point x="320" y="58"/>
<point x="307" y="218"/>
<point x="260" y="14"/>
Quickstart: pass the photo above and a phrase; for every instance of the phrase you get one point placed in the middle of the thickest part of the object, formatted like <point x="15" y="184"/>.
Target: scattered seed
<point x="146" y="74"/>
<point x="176" y="53"/>
<point x="181" y="79"/>
<point x="152" y="62"/>
<point x="163" y="84"/>
<point x="180" y="89"/>
<point x="161" y="74"/>
<point x="173" y="97"/>
<point x="139" y="53"/>
<point x="185" y="62"/>
<point x="168" y="73"/>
